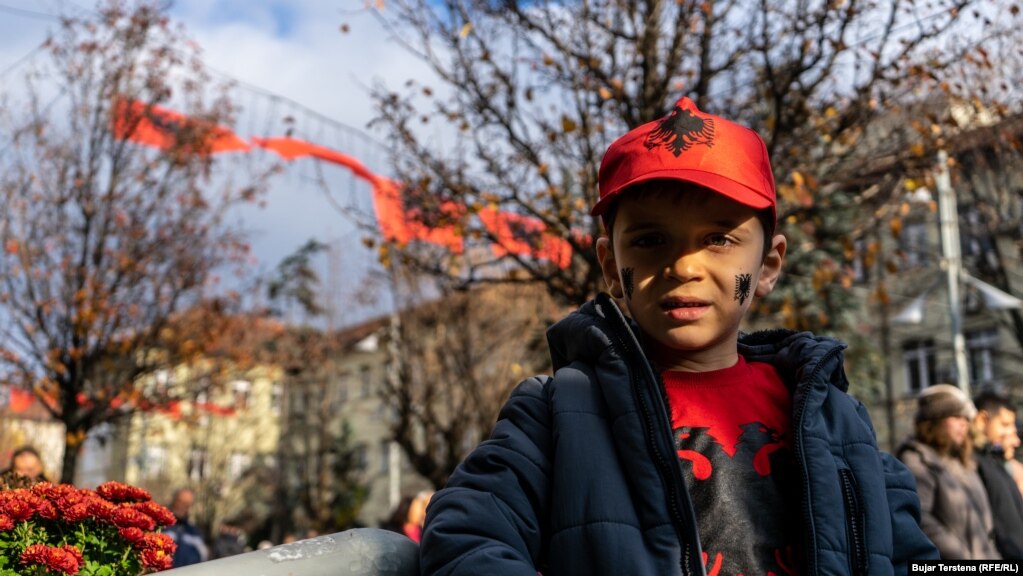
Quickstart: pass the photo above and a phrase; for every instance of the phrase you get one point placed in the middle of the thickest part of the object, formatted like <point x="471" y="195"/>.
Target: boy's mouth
<point x="673" y="303"/>
<point x="684" y="309"/>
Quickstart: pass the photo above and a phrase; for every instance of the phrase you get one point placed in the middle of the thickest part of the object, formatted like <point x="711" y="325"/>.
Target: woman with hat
<point x="955" y="513"/>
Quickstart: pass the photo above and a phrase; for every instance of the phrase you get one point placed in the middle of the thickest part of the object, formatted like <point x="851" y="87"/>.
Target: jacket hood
<point x="798" y="356"/>
<point x="584" y="335"/>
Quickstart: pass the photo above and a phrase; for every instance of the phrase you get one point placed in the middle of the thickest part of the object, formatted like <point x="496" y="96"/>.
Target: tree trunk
<point x="70" y="462"/>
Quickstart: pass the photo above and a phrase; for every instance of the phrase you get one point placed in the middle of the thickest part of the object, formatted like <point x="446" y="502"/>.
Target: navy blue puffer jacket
<point x="580" y="475"/>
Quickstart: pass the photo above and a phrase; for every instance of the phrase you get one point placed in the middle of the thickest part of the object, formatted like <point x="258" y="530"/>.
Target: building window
<point x="366" y="377"/>
<point x="980" y="348"/>
<point x="203" y="408"/>
<point x="241" y="389"/>
<point x="920" y="364"/>
<point x="197" y="464"/>
<point x="914" y="244"/>
<point x="237" y="464"/>
<point x="163" y="380"/>
<point x="153" y="460"/>
<point x="385" y="456"/>
<point x="276" y="398"/>
<point x="296" y="399"/>
<point x="341" y="390"/>
<point x="361" y="458"/>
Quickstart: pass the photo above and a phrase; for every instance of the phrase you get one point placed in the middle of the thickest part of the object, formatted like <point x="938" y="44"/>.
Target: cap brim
<point x="725" y="186"/>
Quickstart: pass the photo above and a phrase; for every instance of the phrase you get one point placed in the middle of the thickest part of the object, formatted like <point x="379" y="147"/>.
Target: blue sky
<point x="289" y="58"/>
<point x="278" y="17"/>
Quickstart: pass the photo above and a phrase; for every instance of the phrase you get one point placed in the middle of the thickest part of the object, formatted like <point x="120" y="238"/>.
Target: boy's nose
<point x="685" y="267"/>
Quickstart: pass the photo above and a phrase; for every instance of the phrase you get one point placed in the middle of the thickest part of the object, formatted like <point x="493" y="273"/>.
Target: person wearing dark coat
<point x="191" y="546"/>
<point x="996" y="427"/>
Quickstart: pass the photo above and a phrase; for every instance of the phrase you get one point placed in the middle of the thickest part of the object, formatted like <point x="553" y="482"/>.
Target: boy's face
<point x="686" y="262"/>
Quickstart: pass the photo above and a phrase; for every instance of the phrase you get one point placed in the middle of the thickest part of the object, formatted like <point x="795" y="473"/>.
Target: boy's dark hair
<point x="765" y="215"/>
<point x="992" y="402"/>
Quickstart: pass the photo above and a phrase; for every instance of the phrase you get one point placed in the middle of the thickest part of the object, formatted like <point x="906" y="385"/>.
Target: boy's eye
<point x="718" y="240"/>
<point x="646" y="241"/>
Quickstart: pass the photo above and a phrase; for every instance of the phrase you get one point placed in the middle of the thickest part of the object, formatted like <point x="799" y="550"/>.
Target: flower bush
<point x="59" y="529"/>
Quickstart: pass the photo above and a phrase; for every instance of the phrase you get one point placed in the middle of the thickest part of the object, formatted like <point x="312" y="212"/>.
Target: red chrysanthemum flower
<point x="62" y="490"/>
<point x="44" y="489"/>
<point x="47" y="511"/>
<point x="132" y="534"/>
<point x="126" y="517"/>
<point x="6" y="523"/>
<point x="159" y="541"/>
<point x="68" y="500"/>
<point x="66" y="559"/>
<point x="74" y="552"/>
<point x="156" y="559"/>
<point x="76" y="512"/>
<point x="101" y="509"/>
<point x="158" y="512"/>
<point x="34" y="554"/>
<point x="118" y="492"/>
<point x="19" y="506"/>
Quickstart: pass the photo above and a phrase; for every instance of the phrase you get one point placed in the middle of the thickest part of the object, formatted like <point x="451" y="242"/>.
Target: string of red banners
<point x="20" y="400"/>
<point x="516" y="234"/>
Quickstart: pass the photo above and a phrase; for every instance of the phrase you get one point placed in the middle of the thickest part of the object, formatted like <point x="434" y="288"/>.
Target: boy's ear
<point x="770" y="270"/>
<point x="609" y="267"/>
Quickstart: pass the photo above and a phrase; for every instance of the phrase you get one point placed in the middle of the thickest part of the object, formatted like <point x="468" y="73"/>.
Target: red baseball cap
<point x="690" y="146"/>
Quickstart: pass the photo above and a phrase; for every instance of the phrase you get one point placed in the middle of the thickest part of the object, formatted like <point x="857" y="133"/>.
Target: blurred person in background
<point x="26" y="462"/>
<point x="955" y="513"/>
<point x="417" y="515"/>
<point x="995" y="427"/>
<point x="409" y="515"/>
<point x="1012" y="464"/>
<point x="399" y="515"/>
<point x="191" y="546"/>
<point x="230" y="540"/>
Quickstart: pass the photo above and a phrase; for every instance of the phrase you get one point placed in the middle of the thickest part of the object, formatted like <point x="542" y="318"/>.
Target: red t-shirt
<point x="732" y="431"/>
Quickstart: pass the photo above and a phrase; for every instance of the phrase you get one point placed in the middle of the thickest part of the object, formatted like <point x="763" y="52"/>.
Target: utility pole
<point x="884" y="308"/>
<point x="953" y="265"/>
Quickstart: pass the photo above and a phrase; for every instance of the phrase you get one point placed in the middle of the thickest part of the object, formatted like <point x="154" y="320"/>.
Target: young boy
<point x="666" y="443"/>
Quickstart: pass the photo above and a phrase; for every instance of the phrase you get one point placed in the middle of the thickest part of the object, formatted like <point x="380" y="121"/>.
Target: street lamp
<point x="951" y="263"/>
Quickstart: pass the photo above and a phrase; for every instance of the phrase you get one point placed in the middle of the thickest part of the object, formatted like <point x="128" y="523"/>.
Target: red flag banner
<point x="400" y="223"/>
<point x="525" y="236"/>
<point x="357" y="167"/>
<point x="20" y="400"/>
<point x="397" y="222"/>
<point x="388" y="207"/>
<point x="287" y="148"/>
<point x="215" y="409"/>
<point x="164" y="129"/>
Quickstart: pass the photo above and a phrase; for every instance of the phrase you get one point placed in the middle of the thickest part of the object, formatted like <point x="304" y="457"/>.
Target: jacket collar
<point x="585" y="335"/>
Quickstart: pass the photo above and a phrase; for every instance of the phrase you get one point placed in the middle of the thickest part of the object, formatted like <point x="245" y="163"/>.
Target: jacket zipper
<point x="811" y="549"/>
<point x="669" y="474"/>
<point x="854" y="522"/>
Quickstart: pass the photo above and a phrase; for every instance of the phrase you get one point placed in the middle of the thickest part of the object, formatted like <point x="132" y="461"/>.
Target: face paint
<point x="743" y="285"/>
<point x="627" y="282"/>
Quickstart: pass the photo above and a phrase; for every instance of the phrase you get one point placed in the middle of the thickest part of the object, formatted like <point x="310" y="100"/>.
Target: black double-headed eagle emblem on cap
<point x="680" y="131"/>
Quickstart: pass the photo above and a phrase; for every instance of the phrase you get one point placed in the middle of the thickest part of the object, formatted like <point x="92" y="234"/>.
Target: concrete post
<point x="356" y="552"/>
<point x="953" y="264"/>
